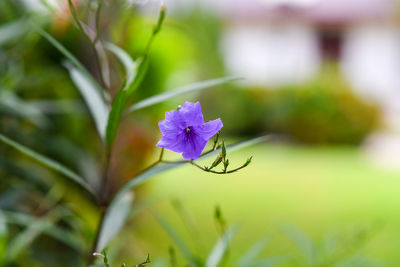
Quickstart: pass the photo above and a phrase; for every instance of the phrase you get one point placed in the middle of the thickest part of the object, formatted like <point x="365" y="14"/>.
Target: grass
<point x="319" y="189"/>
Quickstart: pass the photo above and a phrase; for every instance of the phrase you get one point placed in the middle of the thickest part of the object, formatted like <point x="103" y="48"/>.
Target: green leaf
<point x="249" y="257"/>
<point x="60" y="234"/>
<point x="179" y="91"/>
<point x="219" y="252"/>
<point x="35" y="227"/>
<point x="3" y="239"/>
<point x="141" y="72"/>
<point x="48" y="162"/>
<point x="146" y="175"/>
<point x="126" y="60"/>
<point x="303" y="242"/>
<point x="178" y="240"/>
<point x="65" y="52"/>
<point x="87" y="85"/>
<point x="105" y="259"/>
<point x="151" y="172"/>
<point x="114" y="219"/>
<point x="13" y="30"/>
<point x="223" y="151"/>
<point x="270" y="261"/>
<point x="98" y="108"/>
<point x="21" y="241"/>
<point x="161" y="19"/>
<point x="12" y="103"/>
<point x="117" y="110"/>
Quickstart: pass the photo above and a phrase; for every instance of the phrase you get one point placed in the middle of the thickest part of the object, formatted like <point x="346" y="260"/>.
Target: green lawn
<point x="321" y="190"/>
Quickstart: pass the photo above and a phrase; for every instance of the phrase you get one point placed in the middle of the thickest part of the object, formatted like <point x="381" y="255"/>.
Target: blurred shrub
<point x="324" y="110"/>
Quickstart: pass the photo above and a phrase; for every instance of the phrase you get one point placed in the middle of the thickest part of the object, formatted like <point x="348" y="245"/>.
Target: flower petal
<point x="173" y="143"/>
<point x="169" y="129"/>
<point x="209" y="129"/>
<point x="193" y="146"/>
<point x="174" y="119"/>
<point x="191" y="113"/>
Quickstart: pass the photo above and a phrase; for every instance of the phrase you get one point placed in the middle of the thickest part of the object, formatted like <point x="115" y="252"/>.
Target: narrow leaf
<point x="48" y="162"/>
<point x="161" y="19"/>
<point x="21" y="241"/>
<point x="151" y="172"/>
<point x="63" y="50"/>
<point x="93" y="99"/>
<point x="270" y="261"/>
<point x="88" y="86"/>
<point x="178" y="240"/>
<point x="117" y="110"/>
<point x="60" y="234"/>
<point x="249" y="257"/>
<point x="12" y="103"/>
<point x="35" y="227"/>
<point x="12" y="30"/>
<point x="141" y="72"/>
<point x="303" y="242"/>
<point x="179" y="91"/>
<point x="219" y="252"/>
<point x="146" y="175"/>
<point x="126" y="60"/>
<point x="114" y="220"/>
<point x="3" y="239"/>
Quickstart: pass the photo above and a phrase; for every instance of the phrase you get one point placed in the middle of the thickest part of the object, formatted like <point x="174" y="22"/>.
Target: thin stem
<point x="159" y="160"/>
<point x="97" y="236"/>
<point x="98" y="12"/>
<point x="103" y="202"/>
<point x="161" y="155"/>
<point x="215" y="145"/>
<point x="216" y="172"/>
<point x="92" y="43"/>
<point x="103" y="191"/>
<point x="156" y="29"/>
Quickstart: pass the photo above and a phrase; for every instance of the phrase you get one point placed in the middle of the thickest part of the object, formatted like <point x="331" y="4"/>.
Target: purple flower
<point x="184" y="131"/>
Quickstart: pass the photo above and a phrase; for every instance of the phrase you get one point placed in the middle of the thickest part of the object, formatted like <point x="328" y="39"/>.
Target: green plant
<point x="323" y="110"/>
<point x="219" y="254"/>
<point x="107" y="107"/>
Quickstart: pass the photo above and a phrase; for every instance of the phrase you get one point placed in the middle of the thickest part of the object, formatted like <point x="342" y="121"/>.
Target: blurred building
<point x="277" y="42"/>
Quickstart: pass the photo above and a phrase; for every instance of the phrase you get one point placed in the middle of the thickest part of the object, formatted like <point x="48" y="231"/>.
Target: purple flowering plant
<point x="183" y="130"/>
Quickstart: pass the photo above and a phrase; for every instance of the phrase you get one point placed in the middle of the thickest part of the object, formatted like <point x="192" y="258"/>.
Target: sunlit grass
<point x="321" y="190"/>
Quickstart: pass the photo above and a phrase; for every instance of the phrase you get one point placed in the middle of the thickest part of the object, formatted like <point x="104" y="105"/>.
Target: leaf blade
<point x="87" y="85"/>
<point x="48" y="162"/>
<point x="178" y="240"/>
<point x="126" y="60"/>
<point x="115" y="218"/>
<point x="117" y="110"/>
<point x="37" y="226"/>
<point x="151" y="172"/>
<point x="251" y="254"/>
<point x="178" y="91"/>
<point x="220" y="249"/>
<point x="302" y="241"/>
<point x="93" y="99"/>
<point x="12" y="30"/>
<point x="61" y="48"/>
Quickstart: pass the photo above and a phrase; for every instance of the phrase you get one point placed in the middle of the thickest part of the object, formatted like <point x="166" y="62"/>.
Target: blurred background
<point x="323" y="76"/>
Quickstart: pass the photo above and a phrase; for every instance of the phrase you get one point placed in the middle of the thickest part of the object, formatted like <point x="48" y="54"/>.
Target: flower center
<point x="187" y="129"/>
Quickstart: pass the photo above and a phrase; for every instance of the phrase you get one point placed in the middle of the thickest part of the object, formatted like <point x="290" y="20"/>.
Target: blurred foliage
<point x="46" y="221"/>
<point x="323" y="110"/>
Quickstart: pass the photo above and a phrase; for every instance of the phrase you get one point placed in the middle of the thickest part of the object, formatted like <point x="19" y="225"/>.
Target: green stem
<point x="97" y="236"/>
<point x="91" y="42"/>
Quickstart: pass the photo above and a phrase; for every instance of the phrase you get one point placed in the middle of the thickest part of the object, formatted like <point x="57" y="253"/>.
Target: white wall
<point x="371" y="62"/>
<point x="271" y="55"/>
